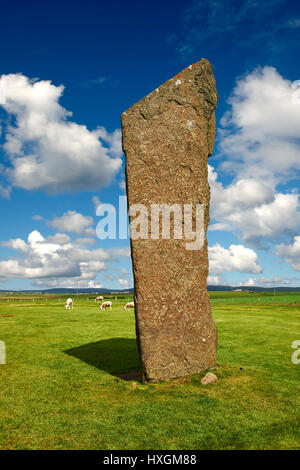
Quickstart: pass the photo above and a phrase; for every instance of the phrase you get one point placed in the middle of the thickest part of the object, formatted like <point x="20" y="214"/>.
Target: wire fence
<point x="215" y="298"/>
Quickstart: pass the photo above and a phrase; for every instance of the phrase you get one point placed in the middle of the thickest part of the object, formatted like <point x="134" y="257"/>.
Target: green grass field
<point x="70" y="379"/>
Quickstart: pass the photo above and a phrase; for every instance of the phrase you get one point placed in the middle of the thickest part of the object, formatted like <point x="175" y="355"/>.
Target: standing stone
<point x="167" y="138"/>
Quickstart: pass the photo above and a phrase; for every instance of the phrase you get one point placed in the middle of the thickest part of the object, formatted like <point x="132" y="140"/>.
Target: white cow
<point x="105" y="305"/>
<point x="97" y="299"/>
<point x="69" y="302"/>
<point x="129" y="305"/>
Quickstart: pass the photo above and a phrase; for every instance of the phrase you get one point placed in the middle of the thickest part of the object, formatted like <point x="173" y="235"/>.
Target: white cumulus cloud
<point x="253" y="210"/>
<point x="73" y="222"/>
<point x="235" y="258"/>
<point x="55" y="257"/>
<point x="260" y="147"/>
<point x="291" y="253"/>
<point x="215" y="280"/>
<point x="260" y="133"/>
<point x="268" y="282"/>
<point x="47" y="150"/>
<point x="124" y="283"/>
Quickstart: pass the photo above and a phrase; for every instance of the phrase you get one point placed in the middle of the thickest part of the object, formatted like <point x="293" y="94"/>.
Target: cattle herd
<point x="103" y="306"/>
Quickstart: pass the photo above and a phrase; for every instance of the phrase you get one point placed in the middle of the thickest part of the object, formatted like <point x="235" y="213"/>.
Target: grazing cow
<point x="97" y="299"/>
<point x="105" y="305"/>
<point x="69" y="302"/>
<point x="129" y="305"/>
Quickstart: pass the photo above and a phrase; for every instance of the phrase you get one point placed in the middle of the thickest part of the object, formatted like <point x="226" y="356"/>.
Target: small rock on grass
<point x="209" y="378"/>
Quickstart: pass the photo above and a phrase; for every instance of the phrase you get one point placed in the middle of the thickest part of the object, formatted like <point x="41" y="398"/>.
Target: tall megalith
<point x="167" y="138"/>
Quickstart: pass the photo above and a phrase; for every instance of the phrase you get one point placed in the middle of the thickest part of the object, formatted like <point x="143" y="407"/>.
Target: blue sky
<point x="68" y="70"/>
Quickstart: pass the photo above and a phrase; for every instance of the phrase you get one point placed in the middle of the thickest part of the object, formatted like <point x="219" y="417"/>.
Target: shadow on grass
<point x="117" y="356"/>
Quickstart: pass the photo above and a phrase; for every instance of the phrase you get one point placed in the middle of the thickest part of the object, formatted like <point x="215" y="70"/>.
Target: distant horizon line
<point x="85" y="290"/>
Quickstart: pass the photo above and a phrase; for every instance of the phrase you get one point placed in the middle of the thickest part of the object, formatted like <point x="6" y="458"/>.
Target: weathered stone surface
<point x="209" y="378"/>
<point x="167" y="138"/>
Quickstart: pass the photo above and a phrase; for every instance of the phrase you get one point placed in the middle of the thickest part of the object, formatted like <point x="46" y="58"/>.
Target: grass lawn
<point x="69" y="382"/>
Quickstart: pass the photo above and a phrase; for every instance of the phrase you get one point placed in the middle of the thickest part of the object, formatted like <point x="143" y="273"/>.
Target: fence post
<point x="2" y="353"/>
